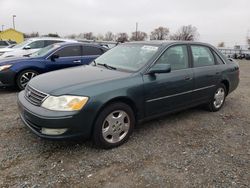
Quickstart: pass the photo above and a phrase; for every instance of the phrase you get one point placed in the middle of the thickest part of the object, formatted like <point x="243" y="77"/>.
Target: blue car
<point x="19" y="71"/>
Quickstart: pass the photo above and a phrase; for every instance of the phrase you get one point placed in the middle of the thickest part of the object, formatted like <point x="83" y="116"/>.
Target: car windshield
<point x="44" y="51"/>
<point x="22" y="44"/>
<point x="128" y="57"/>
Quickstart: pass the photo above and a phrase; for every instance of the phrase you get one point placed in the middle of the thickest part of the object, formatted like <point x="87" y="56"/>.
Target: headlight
<point x="3" y="67"/>
<point x="65" y="103"/>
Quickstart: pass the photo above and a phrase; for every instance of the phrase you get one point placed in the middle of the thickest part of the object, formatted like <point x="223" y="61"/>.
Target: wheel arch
<point x="227" y="85"/>
<point x="121" y="99"/>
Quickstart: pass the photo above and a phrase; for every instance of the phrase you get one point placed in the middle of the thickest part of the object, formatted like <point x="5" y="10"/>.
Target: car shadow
<point x="140" y="129"/>
<point x="5" y="90"/>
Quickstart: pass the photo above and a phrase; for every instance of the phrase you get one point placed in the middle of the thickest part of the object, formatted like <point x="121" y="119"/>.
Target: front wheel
<point x="113" y="126"/>
<point x="24" y="77"/>
<point x="218" y="98"/>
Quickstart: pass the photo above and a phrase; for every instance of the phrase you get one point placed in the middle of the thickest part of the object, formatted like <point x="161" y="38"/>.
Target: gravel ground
<point x="193" y="148"/>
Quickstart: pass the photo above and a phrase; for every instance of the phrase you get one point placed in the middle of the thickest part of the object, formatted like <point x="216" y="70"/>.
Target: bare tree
<point x="109" y="36"/>
<point x="160" y="33"/>
<point x="186" y="33"/>
<point x="122" y="37"/>
<point x="221" y="44"/>
<point x="139" y="36"/>
<point x="71" y="36"/>
<point x="100" y="37"/>
<point x="89" y="36"/>
<point x="248" y="40"/>
<point x="31" y="35"/>
<point x="52" y="35"/>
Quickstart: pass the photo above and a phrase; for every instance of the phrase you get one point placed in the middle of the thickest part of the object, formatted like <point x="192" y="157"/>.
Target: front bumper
<point x="7" y="77"/>
<point x="36" y="118"/>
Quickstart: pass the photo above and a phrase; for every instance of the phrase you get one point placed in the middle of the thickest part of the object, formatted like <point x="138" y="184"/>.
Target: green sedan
<point x="129" y="84"/>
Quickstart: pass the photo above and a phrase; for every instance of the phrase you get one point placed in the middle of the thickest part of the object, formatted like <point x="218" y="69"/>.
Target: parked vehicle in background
<point x="107" y="44"/>
<point x="30" y="46"/>
<point x="6" y="43"/>
<point x="247" y="56"/>
<point x="234" y="53"/>
<point x="19" y="71"/>
<point x="130" y="83"/>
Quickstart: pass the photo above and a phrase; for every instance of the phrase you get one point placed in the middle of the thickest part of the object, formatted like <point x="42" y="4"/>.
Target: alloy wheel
<point x="116" y="126"/>
<point x="26" y="77"/>
<point x="219" y="97"/>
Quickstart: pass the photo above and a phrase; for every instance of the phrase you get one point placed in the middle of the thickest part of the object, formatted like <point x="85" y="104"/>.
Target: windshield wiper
<point x="107" y="66"/>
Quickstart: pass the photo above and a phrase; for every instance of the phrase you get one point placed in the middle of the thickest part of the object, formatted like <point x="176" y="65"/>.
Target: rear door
<point x="90" y="53"/>
<point x="206" y="72"/>
<point x="167" y="92"/>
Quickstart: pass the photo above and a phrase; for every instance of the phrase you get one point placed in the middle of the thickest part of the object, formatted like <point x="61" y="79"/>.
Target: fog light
<point x="53" y="131"/>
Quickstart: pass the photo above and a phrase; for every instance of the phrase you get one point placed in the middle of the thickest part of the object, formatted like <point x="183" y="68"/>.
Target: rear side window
<point x="218" y="59"/>
<point x="49" y="42"/>
<point x="69" y="51"/>
<point x="176" y="56"/>
<point x="202" y="56"/>
<point x="90" y="50"/>
<point x="37" y="44"/>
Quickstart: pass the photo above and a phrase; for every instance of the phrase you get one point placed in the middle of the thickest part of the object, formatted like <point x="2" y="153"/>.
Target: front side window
<point x="176" y="56"/>
<point x="90" y="50"/>
<point x="69" y="51"/>
<point x="36" y="44"/>
<point x="202" y="56"/>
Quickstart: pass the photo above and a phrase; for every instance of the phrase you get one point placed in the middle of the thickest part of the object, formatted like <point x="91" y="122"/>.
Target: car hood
<point x="74" y="80"/>
<point x="13" y="60"/>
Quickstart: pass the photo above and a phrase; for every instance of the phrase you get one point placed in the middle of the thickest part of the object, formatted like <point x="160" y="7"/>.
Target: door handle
<point x="188" y="78"/>
<point x="77" y="61"/>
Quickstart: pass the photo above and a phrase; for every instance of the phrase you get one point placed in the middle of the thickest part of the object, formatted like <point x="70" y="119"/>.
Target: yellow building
<point x="12" y="34"/>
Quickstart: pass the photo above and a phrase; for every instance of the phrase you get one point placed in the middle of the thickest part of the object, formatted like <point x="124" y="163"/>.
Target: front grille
<point x="34" y="96"/>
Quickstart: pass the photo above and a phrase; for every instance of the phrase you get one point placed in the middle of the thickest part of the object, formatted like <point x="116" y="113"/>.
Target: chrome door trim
<point x="182" y="93"/>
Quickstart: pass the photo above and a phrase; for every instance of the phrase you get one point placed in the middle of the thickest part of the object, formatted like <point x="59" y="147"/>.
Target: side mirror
<point x="160" y="68"/>
<point x="27" y="48"/>
<point x="54" y="57"/>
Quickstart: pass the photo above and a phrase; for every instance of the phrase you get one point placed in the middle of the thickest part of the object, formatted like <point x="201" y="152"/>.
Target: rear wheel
<point x="113" y="126"/>
<point x="24" y="77"/>
<point x="218" y="98"/>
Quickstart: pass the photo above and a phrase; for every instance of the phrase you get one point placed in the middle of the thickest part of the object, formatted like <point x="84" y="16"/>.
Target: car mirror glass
<point x="160" y="68"/>
<point x="27" y="48"/>
<point x="54" y="57"/>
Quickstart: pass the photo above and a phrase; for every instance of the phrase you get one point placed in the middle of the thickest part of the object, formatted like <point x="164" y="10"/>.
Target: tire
<point x="220" y="93"/>
<point x="24" y="77"/>
<point x="111" y="131"/>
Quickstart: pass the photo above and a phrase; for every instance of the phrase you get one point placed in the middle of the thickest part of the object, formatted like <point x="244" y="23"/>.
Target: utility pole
<point x="2" y="27"/>
<point x="136" y="30"/>
<point x="14" y="21"/>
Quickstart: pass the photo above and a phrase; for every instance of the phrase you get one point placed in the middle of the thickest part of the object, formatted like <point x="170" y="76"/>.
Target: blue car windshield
<point x="44" y="51"/>
<point x="128" y="57"/>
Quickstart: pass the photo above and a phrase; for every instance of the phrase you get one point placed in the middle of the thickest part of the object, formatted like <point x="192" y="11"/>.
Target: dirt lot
<point x="194" y="148"/>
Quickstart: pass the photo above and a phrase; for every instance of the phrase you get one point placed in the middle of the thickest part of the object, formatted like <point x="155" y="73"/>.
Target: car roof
<point x="80" y="43"/>
<point x="50" y="38"/>
<point x="167" y="42"/>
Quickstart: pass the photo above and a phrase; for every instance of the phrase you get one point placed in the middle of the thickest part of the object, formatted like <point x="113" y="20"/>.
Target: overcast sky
<point x="216" y="20"/>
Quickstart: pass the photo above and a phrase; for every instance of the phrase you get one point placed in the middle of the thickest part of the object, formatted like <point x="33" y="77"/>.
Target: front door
<point x="68" y="56"/>
<point x="167" y="92"/>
